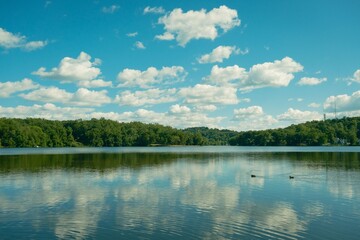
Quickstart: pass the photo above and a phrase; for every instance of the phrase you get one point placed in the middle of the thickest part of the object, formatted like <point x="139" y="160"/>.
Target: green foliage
<point x="94" y="133"/>
<point x="107" y="133"/>
<point x="207" y="136"/>
<point x="345" y="131"/>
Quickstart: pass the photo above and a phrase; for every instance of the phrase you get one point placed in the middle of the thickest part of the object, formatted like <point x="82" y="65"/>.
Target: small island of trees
<point x="33" y="132"/>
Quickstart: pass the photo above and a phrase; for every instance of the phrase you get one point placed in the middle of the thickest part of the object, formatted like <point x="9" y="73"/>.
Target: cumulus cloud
<point x="311" y="81"/>
<point x="177" y="109"/>
<point x="220" y="53"/>
<point x="47" y="111"/>
<point x="165" y="37"/>
<point x="133" y="34"/>
<point x="206" y="108"/>
<point x="343" y="103"/>
<point x="97" y="83"/>
<point x="110" y="9"/>
<point x="147" y="97"/>
<point x="51" y="94"/>
<point x="252" y="118"/>
<point x="250" y="112"/>
<point x="155" y="10"/>
<point x="139" y="45"/>
<point x="269" y="74"/>
<point x="82" y="97"/>
<point x="274" y="220"/>
<point x="356" y="76"/>
<point x="30" y="46"/>
<point x="9" y="40"/>
<point x="181" y="119"/>
<point x="272" y="74"/>
<point x="197" y="24"/>
<point x="80" y="70"/>
<point x="314" y="105"/>
<point x="298" y="116"/>
<point x="151" y="76"/>
<point x="207" y="95"/>
<point x="8" y="88"/>
<point x="85" y="97"/>
<point x="225" y="76"/>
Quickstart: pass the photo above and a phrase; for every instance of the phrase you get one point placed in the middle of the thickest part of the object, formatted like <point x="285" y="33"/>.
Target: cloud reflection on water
<point x="217" y="194"/>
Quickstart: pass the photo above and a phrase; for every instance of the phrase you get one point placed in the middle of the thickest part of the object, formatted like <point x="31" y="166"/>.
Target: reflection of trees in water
<point x="210" y="195"/>
<point x="94" y="161"/>
<point x="108" y="161"/>
<point x="343" y="160"/>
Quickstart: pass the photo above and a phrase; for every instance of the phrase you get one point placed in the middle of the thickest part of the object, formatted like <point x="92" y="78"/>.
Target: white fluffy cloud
<point x="269" y="74"/>
<point x="250" y="112"/>
<point x="311" y="81"/>
<point x="208" y="95"/>
<point x="47" y="111"/>
<point x="182" y="119"/>
<point x="97" y="83"/>
<point x="298" y="116"/>
<point x="225" y="76"/>
<point x="177" y="109"/>
<point x="314" y="105"/>
<point x="139" y="45"/>
<point x="206" y="108"/>
<point x="51" y="94"/>
<point x="252" y="118"/>
<point x="132" y="34"/>
<point x="111" y="9"/>
<point x="165" y="37"/>
<point x="151" y="76"/>
<point x="80" y="70"/>
<point x="82" y="97"/>
<point x="357" y="76"/>
<point x="197" y="24"/>
<point x="155" y="10"/>
<point x="220" y="53"/>
<point x="8" y="88"/>
<point x="272" y="74"/>
<point x="343" y="102"/>
<point x="85" y="97"/>
<point x="147" y="97"/>
<point x="9" y="40"/>
<point x="179" y="118"/>
<point x="30" y="46"/>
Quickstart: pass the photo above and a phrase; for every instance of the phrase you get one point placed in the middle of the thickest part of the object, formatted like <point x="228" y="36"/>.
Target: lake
<point x="180" y="193"/>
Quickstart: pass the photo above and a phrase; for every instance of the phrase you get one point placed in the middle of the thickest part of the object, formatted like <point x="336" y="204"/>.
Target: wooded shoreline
<point x="32" y="132"/>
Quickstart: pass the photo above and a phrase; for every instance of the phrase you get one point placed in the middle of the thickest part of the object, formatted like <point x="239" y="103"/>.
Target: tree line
<point x="345" y="131"/>
<point x="95" y="133"/>
<point x="32" y="132"/>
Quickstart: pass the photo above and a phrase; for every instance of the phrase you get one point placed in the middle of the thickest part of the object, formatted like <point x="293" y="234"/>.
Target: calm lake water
<point x="180" y="193"/>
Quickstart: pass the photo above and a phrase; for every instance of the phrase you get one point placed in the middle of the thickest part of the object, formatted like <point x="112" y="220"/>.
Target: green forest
<point x="33" y="132"/>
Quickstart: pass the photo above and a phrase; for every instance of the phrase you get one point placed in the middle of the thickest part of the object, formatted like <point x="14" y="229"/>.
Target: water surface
<point x="180" y="193"/>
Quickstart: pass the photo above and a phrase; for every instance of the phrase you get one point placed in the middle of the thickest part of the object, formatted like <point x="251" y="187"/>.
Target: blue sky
<point x="227" y="64"/>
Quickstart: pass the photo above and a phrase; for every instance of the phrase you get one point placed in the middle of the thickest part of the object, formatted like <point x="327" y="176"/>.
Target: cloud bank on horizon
<point x="237" y="66"/>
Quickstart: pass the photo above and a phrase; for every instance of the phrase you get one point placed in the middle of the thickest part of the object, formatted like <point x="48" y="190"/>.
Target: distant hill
<point x="212" y="136"/>
<point x="345" y="131"/>
<point x="102" y="132"/>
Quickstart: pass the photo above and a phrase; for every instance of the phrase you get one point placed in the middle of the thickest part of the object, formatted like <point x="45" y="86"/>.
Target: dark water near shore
<point x="180" y="193"/>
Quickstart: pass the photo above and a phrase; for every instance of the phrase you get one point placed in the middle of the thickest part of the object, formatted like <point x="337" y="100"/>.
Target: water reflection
<point x="105" y="161"/>
<point x="180" y="195"/>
